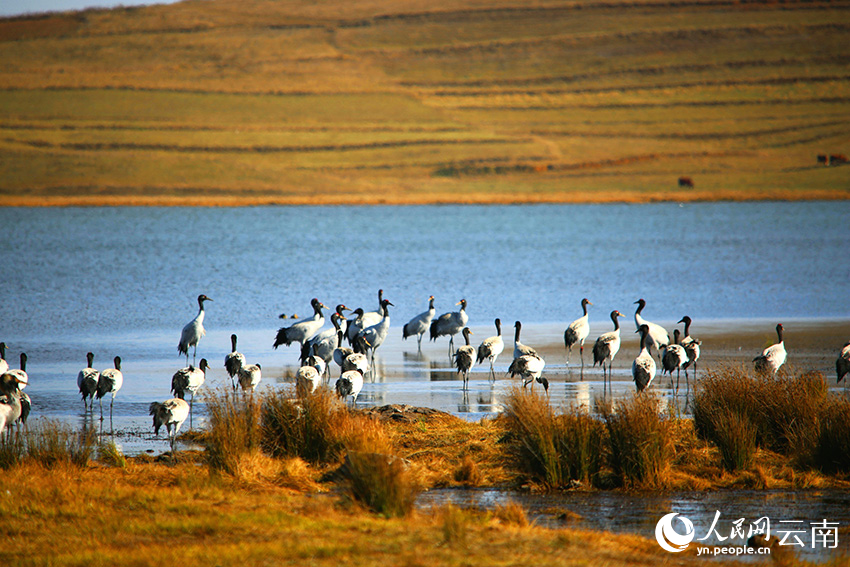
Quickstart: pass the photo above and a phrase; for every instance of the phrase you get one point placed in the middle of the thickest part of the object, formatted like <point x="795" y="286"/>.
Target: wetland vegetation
<point x="279" y="476"/>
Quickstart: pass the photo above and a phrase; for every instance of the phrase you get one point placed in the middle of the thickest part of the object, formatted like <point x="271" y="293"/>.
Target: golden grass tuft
<point x="49" y="443"/>
<point x="792" y="414"/>
<point x="554" y="448"/>
<point x="234" y="430"/>
<point x="109" y="454"/>
<point x="383" y="483"/>
<point x="639" y="441"/>
<point x="317" y="428"/>
<point x="467" y="472"/>
<point x="511" y="514"/>
<point x="454" y="524"/>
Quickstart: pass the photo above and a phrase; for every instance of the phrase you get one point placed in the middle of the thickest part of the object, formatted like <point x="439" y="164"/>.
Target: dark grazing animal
<point x="686" y="182"/>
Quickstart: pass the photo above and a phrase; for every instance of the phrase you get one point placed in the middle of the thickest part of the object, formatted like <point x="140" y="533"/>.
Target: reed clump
<point x="234" y="430"/>
<point x="555" y="448"/>
<point x="511" y="513"/>
<point x="831" y="453"/>
<point x="317" y="428"/>
<point x="739" y="412"/>
<point x="51" y="443"/>
<point x="454" y="524"/>
<point x="639" y="438"/>
<point x="383" y="483"/>
<point x="110" y="454"/>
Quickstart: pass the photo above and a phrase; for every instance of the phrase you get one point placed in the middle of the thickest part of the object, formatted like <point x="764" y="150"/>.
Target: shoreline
<point x="234" y="199"/>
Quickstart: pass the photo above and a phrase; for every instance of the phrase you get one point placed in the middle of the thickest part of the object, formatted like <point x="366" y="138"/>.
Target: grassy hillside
<point x="253" y="101"/>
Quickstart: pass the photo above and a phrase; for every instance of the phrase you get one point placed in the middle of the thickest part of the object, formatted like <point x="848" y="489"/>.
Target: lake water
<point x="123" y="281"/>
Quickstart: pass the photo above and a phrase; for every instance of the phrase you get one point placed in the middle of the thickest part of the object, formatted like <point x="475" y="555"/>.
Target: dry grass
<point x="151" y="510"/>
<point x="52" y="443"/>
<point x="641" y="446"/>
<point x="383" y="483"/>
<point x="555" y="448"/>
<point x="317" y="428"/>
<point x="234" y="430"/>
<point x="739" y="411"/>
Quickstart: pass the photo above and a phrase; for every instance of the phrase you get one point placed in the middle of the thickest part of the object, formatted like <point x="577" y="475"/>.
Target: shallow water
<point x="638" y="513"/>
<point x="123" y="281"/>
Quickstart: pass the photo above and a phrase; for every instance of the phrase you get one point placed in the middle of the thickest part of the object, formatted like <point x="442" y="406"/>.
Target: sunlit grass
<point x="260" y="102"/>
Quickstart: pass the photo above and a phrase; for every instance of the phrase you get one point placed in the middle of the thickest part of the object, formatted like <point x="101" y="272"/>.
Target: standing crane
<point x="193" y="331"/>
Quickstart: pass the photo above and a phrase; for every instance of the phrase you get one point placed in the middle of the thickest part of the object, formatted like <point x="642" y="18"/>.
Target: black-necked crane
<point x="233" y="362"/>
<point x="110" y="382"/>
<point x="606" y="347"/>
<point x="189" y="379"/>
<point x="692" y="347"/>
<point x="170" y="413"/>
<point x="419" y="325"/>
<point x="250" y="376"/>
<point x="842" y="363"/>
<point x="450" y="324"/>
<point x="87" y="379"/>
<point x="349" y="385"/>
<point x="364" y="319"/>
<point x="303" y="329"/>
<point x="530" y="368"/>
<point x="577" y="333"/>
<point x="519" y="348"/>
<point x="356" y="361"/>
<point x="324" y="343"/>
<point x="341" y="352"/>
<point x="658" y="337"/>
<point x="10" y="401"/>
<point x="465" y="357"/>
<point x="315" y="361"/>
<point x="773" y="357"/>
<point x="193" y="331"/>
<point x="643" y="367"/>
<point x="4" y="366"/>
<point x="674" y="357"/>
<point x="307" y="381"/>
<point x="22" y="378"/>
<point x="491" y="347"/>
<point x="370" y="338"/>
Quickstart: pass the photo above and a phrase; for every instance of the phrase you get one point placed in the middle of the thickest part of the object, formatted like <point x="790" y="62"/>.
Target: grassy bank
<point x="299" y="481"/>
<point x="224" y="103"/>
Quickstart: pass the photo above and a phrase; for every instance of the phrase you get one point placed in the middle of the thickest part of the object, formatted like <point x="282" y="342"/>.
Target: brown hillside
<point x="247" y="102"/>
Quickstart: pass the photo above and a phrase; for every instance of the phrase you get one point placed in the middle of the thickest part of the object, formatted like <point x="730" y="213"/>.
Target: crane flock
<point x="366" y="332"/>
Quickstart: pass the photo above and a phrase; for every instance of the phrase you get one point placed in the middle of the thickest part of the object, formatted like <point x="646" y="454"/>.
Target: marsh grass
<point x="739" y="411"/>
<point x="108" y="453"/>
<point x="234" y="430"/>
<point x="735" y="437"/>
<point x="531" y="421"/>
<point x="468" y="473"/>
<point x="511" y="513"/>
<point x="317" y="428"/>
<point x="454" y="524"/>
<point x="555" y="448"/>
<point x="640" y="443"/>
<point x="831" y="453"/>
<point x="383" y="483"/>
<point x="52" y="443"/>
